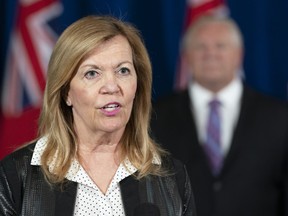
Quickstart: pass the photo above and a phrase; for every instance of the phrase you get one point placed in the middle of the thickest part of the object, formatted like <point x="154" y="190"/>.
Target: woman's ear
<point x="68" y="101"/>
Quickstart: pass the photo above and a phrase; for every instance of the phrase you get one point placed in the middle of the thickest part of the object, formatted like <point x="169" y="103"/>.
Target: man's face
<point x="213" y="55"/>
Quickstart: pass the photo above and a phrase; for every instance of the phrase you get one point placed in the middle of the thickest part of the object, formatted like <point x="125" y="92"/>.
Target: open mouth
<point x="111" y="107"/>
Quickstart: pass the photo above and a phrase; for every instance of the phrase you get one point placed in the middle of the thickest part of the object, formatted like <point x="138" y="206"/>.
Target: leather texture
<point x="25" y="192"/>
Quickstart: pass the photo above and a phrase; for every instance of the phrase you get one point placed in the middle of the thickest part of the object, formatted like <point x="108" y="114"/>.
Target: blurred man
<point x="233" y="140"/>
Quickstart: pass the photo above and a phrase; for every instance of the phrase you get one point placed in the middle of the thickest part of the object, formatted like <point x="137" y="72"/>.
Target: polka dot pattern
<point x="89" y="199"/>
<point x="39" y="148"/>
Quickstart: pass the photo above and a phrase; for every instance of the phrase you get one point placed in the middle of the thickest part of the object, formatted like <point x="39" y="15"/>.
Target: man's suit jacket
<point x="253" y="181"/>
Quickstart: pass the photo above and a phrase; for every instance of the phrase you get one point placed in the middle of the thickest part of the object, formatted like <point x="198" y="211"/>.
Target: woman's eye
<point x="124" y="71"/>
<point x="91" y="74"/>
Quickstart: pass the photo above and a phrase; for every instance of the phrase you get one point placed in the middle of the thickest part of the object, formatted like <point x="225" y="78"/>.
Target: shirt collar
<point x="75" y="166"/>
<point x="228" y="95"/>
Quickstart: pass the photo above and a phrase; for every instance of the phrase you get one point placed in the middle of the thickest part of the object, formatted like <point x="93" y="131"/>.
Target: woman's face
<point x="102" y="91"/>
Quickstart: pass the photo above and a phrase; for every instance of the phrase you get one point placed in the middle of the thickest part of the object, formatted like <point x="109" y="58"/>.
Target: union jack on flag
<point x="30" y="46"/>
<point x="196" y="8"/>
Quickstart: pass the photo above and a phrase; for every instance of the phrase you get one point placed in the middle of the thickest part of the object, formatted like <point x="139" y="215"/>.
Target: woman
<point x="94" y="155"/>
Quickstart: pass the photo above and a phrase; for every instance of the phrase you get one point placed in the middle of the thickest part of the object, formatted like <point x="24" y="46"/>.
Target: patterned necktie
<point x="212" y="145"/>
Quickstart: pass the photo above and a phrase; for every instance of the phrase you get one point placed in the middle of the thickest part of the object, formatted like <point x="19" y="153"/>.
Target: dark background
<point x="263" y="23"/>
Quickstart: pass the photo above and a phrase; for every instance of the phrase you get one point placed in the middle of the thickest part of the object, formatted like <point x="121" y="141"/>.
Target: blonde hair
<point x="56" y="119"/>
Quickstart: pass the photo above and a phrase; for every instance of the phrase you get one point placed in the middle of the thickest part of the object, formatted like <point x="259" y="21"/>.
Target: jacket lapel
<point x="197" y="157"/>
<point x="65" y="199"/>
<point x="130" y="194"/>
<point x="240" y="132"/>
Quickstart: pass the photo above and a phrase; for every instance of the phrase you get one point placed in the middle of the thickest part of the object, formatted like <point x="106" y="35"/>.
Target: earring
<point x="68" y="102"/>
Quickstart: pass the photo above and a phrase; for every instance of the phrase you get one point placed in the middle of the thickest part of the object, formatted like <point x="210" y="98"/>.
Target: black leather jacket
<point x="24" y="190"/>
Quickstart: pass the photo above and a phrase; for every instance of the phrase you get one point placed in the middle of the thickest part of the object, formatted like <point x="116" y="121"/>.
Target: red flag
<point x="196" y="8"/>
<point x="30" y="46"/>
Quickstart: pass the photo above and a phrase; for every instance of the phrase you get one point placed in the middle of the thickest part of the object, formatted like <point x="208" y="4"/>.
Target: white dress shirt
<point x="90" y="200"/>
<point x="229" y="98"/>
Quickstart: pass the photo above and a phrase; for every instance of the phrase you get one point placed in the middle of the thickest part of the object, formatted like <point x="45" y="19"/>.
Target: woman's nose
<point x="110" y="84"/>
